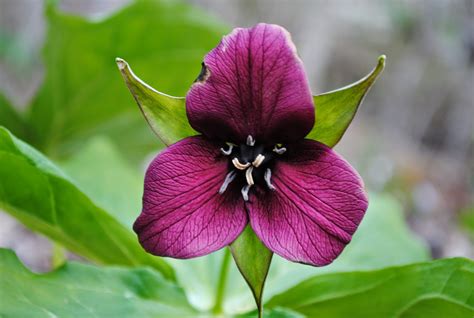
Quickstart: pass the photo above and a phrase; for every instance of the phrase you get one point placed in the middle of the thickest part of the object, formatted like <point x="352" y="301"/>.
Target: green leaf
<point x="38" y="194"/>
<point x="83" y="95"/>
<point x="442" y="288"/>
<point x="253" y="260"/>
<point x="336" y="109"/>
<point x="165" y="114"/>
<point x="111" y="182"/>
<point x="79" y="290"/>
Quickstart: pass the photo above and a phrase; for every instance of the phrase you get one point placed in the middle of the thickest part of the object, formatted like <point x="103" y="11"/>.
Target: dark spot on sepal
<point x="204" y="74"/>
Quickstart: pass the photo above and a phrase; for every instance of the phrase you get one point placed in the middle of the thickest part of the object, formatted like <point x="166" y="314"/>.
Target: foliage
<point x="84" y="119"/>
<point x="82" y="94"/>
<point x="440" y="288"/>
<point x="79" y="290"/>
<point x="38" y="194"/>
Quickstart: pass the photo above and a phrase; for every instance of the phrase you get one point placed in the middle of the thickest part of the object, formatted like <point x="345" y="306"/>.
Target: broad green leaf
<point x="100" y="171"/>
<point x="83" y="94"/>
<point x="38" y="194"/>
<point x="442" y="288"/>
<point x="336" y="109"/>
<point x="79" y="290"/>
<point x="10" y="118"/>
<point x="165" y="114"/>
<point x="253" y="260"/>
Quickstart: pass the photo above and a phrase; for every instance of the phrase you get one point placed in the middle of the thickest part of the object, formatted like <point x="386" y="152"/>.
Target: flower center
<point x="252" y="162"/>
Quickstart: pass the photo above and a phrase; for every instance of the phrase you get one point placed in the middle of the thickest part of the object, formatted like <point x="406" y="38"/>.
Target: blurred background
<point x="413" y="137"/>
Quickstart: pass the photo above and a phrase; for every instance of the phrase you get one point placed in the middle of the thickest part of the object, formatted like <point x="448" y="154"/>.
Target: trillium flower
<point x="251" y="164"/>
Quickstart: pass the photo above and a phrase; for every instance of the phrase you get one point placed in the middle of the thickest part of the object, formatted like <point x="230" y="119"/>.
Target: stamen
<point x="248" y="176"/>
<point x="240" y="166"/>
<point x="267" y="177"/>
<point x="279" y="151"/>
<point x="250" y="141"/>
<point x="228" y="179"/>
<point x="228" y="151"/>
<point x="258" y="161"/>
<point x="245" y="192"/>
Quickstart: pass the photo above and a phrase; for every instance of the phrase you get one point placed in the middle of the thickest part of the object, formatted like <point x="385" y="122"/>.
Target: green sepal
<point x="165" y="114"/>
<point x="336" y="109"/>
<point x="253" y="260"/>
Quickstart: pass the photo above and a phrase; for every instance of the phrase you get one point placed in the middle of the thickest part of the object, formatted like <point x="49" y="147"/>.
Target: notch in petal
<point x="252" y="83"/>
<point x="183" y="214"/>
<point x="318" y="204"/>
<point x="165" y="114"/>
<point x="335" y="110"/>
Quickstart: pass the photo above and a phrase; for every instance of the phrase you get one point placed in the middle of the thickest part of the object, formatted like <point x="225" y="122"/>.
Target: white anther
<point x="267" y="177"/>
<point x="279" y="151"/>
<point x="250" y="141"/>
<point x="258" y="161"/>
<point x="240" y="166"/>
<point x="248" y="176"/>
<point x="245" y="192"/>
<point x="228" y="179"/>
<point x="228" y="151"/>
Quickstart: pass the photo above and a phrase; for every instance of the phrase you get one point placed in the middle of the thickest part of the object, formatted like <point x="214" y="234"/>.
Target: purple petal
<point x="318" y="204"/>
<point x="254" y="84"/>
<point x="183" y="214"/>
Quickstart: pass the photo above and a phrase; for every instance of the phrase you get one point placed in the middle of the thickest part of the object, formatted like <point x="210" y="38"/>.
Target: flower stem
<point x="222" y="283"/>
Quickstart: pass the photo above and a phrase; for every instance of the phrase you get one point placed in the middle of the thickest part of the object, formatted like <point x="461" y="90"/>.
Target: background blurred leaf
<point x="467" y="220"/>
<point x="83" y="94"/>
<point x="100" y="171"/>
<point x="10" y="118"/>
<point x="38" y="194"/>
<point x="441" y="288"/>
<point x="165" y="114"/>
<point x="336" y="109"/>
<point x="78" y="290"/>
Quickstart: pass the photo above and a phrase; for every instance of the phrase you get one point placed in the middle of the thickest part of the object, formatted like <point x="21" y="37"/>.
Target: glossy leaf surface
<point x="36" y="192"/>
<point x="441" y="288"/>
<point x="79" y="290"/>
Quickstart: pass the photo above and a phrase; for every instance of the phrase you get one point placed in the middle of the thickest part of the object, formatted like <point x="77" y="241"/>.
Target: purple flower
<point x="253" y="106"/>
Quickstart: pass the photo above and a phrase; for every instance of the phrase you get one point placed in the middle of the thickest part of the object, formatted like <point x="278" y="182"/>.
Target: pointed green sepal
<point x="253" y="260"/>
<point x="336" y="109"/>
<point x="165" y="114"/>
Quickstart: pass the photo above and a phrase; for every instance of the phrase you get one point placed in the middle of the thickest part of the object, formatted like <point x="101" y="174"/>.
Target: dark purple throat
<point x="251" y="164"/>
